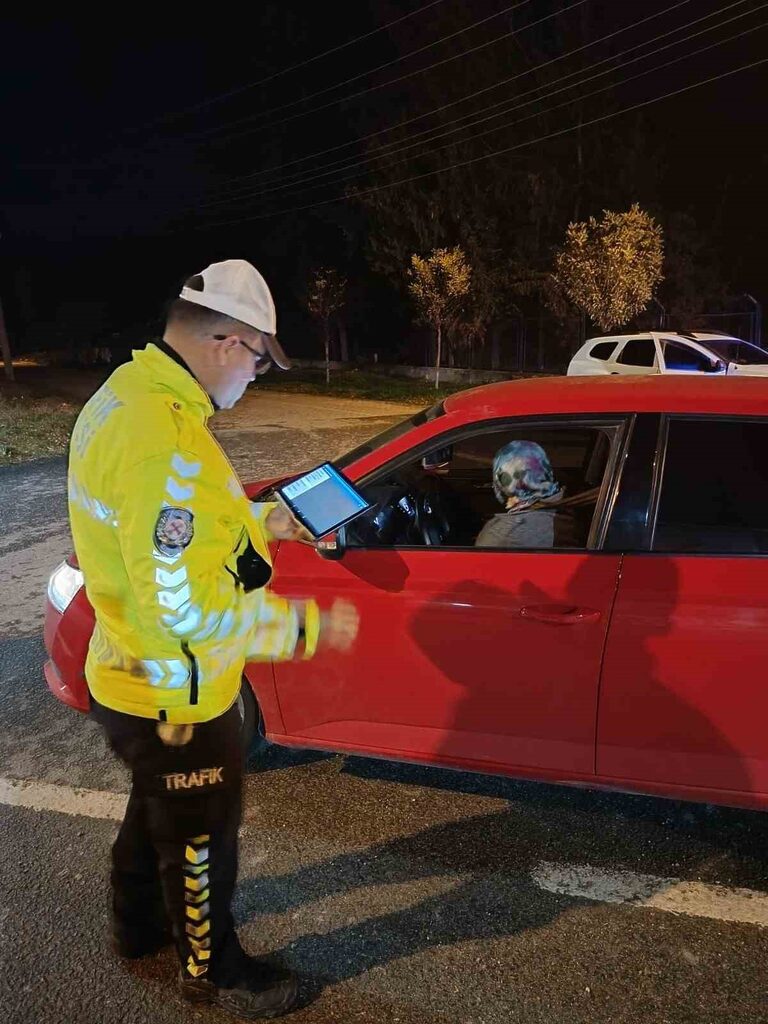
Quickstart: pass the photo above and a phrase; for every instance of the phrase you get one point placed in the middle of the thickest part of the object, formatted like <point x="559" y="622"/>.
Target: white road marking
<point x="674" y="895"/>
<point x="41" y="796"/>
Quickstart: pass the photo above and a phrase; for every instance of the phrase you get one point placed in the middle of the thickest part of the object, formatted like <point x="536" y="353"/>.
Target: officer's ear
<point x="223" y="346"/>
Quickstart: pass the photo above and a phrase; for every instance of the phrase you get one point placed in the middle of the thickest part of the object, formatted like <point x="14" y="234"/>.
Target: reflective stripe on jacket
<point x="160" y="519"/>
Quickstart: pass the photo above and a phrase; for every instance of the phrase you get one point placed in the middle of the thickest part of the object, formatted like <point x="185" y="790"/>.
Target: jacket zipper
<point x="193" y="682"/>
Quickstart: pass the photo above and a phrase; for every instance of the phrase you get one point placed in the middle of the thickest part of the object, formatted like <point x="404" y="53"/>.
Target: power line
<point x="295" y="67"/>
<point x="333" y="170"/>
<point x="392" y="81"/>
<point x="381" y="67"/>
<point x="445" y="130"/>
<point x="498" y="152"/>
<point x="253" y="85"/>
<point x="383" y="85"/>
<point x="464" y="99"/>
<point x="548" y="110"/>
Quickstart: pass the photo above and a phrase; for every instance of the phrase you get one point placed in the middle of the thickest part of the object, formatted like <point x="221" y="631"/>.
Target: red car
<point x="631" y="654"/>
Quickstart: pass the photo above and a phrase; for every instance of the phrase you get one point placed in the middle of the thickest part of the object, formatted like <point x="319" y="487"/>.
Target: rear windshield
<point x="425" y="416"/>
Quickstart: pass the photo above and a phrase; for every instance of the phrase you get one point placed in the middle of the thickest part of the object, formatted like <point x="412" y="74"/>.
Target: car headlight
<point x="63" y="585"/>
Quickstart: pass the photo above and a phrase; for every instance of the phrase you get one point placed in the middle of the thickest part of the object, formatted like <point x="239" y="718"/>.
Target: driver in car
<point x="524" y="483"/>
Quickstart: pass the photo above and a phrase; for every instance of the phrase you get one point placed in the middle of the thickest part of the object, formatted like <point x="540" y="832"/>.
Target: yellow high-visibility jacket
<point x="160" y="520"/>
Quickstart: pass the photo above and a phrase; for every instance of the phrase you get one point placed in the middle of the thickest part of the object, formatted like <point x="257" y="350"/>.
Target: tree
<point x="508" y="212"/>
<point x="327" y="295"/>
<point x="439" y="285"/>
<point x="610" y="267"/>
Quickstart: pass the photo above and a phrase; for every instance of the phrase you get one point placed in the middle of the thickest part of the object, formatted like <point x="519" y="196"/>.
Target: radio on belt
<point x="323" y="500"/>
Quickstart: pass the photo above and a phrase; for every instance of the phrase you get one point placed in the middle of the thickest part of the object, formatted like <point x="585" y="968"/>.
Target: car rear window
<point x="603" y="350"/>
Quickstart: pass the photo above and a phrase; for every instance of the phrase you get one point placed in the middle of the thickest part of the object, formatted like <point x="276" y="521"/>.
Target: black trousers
<point x="175" y="858"/>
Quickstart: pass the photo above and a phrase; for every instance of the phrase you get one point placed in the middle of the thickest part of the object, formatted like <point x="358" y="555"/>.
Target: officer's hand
<point x="339" y="626"/>
<point x="283" y="526"/>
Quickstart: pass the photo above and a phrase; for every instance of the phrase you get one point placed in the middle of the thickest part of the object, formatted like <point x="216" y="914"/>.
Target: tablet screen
<point x="323" y="500"/>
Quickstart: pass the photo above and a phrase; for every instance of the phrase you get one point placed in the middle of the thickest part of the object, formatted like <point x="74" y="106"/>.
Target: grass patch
<point x="34" y="428"/>
<point x="358" y="384"/>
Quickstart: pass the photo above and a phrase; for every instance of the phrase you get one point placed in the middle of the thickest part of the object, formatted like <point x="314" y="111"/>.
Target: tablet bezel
<point x="291" y="506"/>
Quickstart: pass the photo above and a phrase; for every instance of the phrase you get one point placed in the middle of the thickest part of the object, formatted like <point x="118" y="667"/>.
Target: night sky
<point x="129" y="138"/>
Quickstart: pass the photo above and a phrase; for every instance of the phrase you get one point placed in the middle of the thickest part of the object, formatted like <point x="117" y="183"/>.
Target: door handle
<point x="560" y="614"/>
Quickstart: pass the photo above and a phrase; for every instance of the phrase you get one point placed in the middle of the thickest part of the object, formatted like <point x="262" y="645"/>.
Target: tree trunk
<point x="495" y="348"/>
<point x="327" y="334"/>
<point x="540" y="359"/>
<point x="5" y="347"/>
<point x="439" y="353"/>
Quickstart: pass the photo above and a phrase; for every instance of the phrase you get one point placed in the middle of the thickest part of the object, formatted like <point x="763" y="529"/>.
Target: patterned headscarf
<point x="521" y="470"/>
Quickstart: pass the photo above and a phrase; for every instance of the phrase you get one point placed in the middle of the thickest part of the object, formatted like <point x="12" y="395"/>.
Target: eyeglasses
<point x="261" y="360"/>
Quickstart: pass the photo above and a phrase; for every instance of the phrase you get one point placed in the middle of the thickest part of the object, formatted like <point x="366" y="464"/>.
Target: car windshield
<point x="735" y="351"/>
<point x="425" y="416"/>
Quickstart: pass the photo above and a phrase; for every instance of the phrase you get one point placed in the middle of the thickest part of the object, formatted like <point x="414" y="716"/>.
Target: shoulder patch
<point x="174" y="530"/>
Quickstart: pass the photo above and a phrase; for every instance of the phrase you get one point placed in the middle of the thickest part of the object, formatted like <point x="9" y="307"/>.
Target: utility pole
<point x="757" y="320"/>
<point x="5" y="348"/>
<point x="5" y="345"/>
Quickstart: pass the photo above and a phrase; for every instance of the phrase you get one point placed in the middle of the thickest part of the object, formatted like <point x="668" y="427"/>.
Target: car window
<point x="446" y="496"/>
<point x="603" y="350"/>
<point x="714" y="491"/>
<point x="735" y="351"/>
<point x="682" y="357"/>
<point x="638" y="352"/>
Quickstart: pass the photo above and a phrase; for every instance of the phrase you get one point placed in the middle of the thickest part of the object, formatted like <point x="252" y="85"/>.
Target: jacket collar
<point x="166" y="368"/>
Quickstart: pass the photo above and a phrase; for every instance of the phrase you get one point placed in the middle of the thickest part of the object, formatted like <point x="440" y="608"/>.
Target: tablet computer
<point x="323" y="500"/>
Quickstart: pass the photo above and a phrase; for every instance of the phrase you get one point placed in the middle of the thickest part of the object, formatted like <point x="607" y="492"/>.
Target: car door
<point x="466" y="656"/>
<point x="683" y="698"/>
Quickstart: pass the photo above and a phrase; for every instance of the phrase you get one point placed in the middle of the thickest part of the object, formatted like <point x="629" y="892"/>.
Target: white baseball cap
<point x="237" y="289"/>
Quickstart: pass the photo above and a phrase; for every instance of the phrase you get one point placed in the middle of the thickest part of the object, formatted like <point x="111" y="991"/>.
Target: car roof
<point x="540" y="396"/>
<point x="662" y="333"/>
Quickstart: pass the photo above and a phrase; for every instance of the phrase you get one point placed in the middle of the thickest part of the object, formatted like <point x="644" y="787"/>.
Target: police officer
<point x="175" y="560"/>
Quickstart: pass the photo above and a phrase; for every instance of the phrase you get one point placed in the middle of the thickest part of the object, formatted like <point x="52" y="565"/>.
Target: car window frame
<point x="628" y="524"/>
<point x="658" y="481"/>
<point x="622" y="422"/>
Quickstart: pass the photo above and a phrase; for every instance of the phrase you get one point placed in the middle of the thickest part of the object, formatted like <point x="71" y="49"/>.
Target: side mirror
<point x="332" y="546"/>
<point x="437" y="458"/>
<point x="718" y="366"/>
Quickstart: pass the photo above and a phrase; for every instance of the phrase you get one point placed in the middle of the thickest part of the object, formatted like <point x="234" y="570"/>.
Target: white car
<point x="669" y="352"/>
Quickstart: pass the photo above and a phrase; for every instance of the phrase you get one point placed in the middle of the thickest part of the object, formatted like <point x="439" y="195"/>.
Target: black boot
<point x="261" y="991"/>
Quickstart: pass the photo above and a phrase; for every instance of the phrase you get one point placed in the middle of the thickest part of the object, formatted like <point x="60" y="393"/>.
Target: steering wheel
<point x="431" y="519"/>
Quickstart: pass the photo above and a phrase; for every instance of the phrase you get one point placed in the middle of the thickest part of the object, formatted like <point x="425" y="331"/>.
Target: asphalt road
<point x="404" y="895"/>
